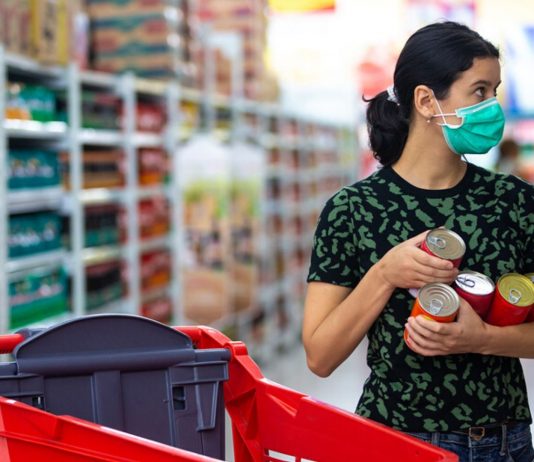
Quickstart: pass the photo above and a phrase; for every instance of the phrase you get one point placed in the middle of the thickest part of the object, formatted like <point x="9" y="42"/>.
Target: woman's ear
<point x="423" y="101"/>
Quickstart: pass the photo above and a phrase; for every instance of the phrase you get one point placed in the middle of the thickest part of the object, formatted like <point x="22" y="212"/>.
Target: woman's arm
<point x="336" y="318"/>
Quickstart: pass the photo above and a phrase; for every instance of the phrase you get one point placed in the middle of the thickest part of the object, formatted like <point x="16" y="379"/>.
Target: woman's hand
<point x="431" y="338"/>
<point x="406" y="266"/>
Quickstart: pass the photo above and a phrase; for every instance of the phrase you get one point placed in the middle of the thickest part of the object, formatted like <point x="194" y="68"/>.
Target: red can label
<point x="477" y="289"/>
<point x="513" y="300"/>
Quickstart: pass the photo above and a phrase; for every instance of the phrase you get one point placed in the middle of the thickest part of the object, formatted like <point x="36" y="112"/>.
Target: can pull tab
<point x="439" y="242"/>
<point x="435" y="306"/>
<point x="467" y="282"/>
<point x="514" y="296"/>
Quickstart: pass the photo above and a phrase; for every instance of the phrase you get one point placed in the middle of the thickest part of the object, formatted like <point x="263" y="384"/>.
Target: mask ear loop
<point x="442" y="115"/>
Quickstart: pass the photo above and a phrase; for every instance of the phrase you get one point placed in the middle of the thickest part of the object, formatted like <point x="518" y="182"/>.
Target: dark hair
<point x="434" y="56"/>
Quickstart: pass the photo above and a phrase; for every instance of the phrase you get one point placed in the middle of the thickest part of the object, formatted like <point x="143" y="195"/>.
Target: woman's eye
<point x="480" y="92"/>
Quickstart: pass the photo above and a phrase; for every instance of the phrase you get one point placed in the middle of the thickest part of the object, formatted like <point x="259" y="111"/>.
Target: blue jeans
<point x="506" y="444"/>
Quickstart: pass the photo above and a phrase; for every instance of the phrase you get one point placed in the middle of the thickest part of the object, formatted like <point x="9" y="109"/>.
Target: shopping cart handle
<point x="9" y="341"/>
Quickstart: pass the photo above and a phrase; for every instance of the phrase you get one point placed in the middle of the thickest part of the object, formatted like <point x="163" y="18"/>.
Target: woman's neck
<point x="427" y="166"/>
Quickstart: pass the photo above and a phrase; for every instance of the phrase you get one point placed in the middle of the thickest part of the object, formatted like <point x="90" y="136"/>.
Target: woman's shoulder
<point x="502" y="184"/>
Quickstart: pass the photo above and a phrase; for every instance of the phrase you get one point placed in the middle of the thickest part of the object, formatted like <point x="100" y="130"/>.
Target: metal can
<point x="514" y="297"/>
<point x="530" y="317"/>
<point x="436" y="301"/>
<point x="446" y="244"/>
<point x="477" y="289"/>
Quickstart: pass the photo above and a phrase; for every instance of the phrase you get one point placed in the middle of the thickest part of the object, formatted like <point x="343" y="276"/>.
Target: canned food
<point x="445" y="244"/>
<point x="514" y="297"/>
<point x="437" y="302"/>
<point x="530" y="317"/>
<point x="477" y="289"/>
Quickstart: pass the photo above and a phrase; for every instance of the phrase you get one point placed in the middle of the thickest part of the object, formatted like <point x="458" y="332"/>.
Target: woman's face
<point x="475" y="85"/>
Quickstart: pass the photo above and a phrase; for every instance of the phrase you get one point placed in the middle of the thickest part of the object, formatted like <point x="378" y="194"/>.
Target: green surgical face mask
<point x="481" y="127"/>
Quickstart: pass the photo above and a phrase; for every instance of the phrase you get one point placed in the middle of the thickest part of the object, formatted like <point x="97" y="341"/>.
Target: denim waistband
<point x="492" y="434"/>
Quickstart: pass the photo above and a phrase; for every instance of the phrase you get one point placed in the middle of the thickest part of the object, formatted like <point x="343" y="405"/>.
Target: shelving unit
<point x="306" y="162"/>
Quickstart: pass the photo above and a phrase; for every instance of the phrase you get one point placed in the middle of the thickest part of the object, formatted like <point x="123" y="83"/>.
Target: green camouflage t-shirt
<point x="495" y="216"/>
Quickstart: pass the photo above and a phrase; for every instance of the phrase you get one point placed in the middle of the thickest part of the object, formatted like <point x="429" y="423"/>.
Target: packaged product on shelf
<point x="154" y="217"/>
<point x="150" y="117"/>
<point x="50" y="31"/>
<point x="36" y="296"/>
<point x="153" y="166"/>
<point x="248" y="169"/>
<point x="138" y="36"/>
<point x="30" y="102"/>
<point x="190" y="114"/>
<point x="204" y="178"/>
<point x="159" y="309"/>
<point x="100" y="110"/>
<point x="155" y="269"/>
<point x="102" y="225"/>
<point x="155" y="65"/>
<point x="14" y="26"/>
<point x="100" y="9"/>
<point x="30" y="169"/>
<point x="248" y="20"/>
<point x="102" y="168"/>
<point x="32" y="233"/>
<point x="104" y="283"/>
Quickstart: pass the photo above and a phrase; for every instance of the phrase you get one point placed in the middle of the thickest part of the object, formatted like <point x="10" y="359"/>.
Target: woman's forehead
<point x="484" y="71"/>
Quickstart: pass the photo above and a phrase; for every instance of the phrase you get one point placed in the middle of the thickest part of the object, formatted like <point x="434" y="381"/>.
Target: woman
<point x="458" y="385"/>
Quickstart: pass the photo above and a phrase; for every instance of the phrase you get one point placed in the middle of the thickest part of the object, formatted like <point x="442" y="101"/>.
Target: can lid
<point x="439" y="299"/>
<point x="474" y="283"/>
<point x="445" y="244"/>
<point x="530" y="276"/>
<point x="516" y="289"/>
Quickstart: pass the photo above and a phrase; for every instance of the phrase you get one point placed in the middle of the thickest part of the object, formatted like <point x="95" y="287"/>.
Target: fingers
<point x="434" y="262"/>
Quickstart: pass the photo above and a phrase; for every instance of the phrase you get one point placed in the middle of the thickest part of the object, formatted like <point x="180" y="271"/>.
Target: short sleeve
<point x="334" y="258"/>
<point x="528" y="227"/>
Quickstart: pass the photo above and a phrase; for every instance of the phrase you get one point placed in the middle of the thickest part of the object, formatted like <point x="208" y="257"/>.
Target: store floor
<point x="344" y="386"/>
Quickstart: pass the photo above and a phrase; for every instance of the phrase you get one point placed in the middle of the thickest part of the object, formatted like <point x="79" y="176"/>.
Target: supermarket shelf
<point x="33" y="261"/>
<point x="30" y="200"/>
<point x="190" y="94"/>
<point x="269" y="141"/>
<point x="146" y="192"/>
<point x="153" y="294"/>
<point x="103" y="254"/>
<point x="31" y="129"/>
<point x="116" y="306"/>
<point x="101" y="137"/>
<point x="150" y="87"/>
<point x="99" y="79"/>
<point x="289" y="143"/>
<point x="274" y="171"/>
<point x="29" y="67"/>
<point x="148" y="140"/>
<point x="155" y="243"/>
<point x="102" y="196"/>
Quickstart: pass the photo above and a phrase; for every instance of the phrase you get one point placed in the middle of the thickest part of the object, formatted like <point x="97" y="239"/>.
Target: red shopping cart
<point x="270" y="423"/>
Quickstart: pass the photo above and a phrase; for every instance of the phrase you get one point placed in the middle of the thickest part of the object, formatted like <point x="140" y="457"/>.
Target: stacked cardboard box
<point x="51" y="31"/>
<point x="247" y="19"/>
<point x="142" y="36"/>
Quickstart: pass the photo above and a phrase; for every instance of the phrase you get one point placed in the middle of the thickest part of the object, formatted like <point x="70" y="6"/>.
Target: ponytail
<point x="387" y="127"/>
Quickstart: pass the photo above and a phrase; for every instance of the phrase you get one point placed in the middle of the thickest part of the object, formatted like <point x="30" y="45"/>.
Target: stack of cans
<point x="509" y="302"/>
